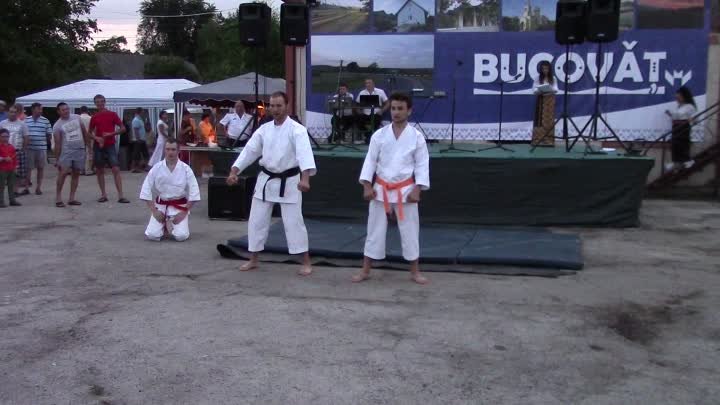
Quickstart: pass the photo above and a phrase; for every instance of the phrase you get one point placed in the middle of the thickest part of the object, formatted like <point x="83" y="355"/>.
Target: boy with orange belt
<point x="398" y="163"/>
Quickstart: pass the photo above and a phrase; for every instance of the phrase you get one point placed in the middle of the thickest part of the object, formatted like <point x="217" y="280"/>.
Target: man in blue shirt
<point x="3" y="112"/>
<point x="39" y="131"/>
<point x="139" y="136"/>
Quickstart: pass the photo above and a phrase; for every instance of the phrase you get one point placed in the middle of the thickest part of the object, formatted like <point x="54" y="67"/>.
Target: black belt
<point x="282" y="176"/>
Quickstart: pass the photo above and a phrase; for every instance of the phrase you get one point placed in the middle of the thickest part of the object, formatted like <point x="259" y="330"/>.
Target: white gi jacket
<point x="279" y="148"/>
<point x="395" y="160"/>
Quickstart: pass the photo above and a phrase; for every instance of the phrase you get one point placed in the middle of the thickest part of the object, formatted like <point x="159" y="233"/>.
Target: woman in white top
<point x="162" y="135"/>
<point x="681" y="116"/>
<point x="545" y="88"/>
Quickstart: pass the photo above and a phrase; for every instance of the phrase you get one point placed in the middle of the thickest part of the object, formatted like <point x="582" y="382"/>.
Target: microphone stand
<point x="498" y="143"/>
<point x="452" y="147"/>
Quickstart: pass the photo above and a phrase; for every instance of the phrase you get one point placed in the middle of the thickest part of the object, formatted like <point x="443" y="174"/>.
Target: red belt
<point x="394" y="187"/>
<point x="178" y="203"/>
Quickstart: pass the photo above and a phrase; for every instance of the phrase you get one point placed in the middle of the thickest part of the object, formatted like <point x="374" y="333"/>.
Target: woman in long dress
<point x="545" y="88"/>
<point x="162" y="135"/>
<point x="681" y="116"/>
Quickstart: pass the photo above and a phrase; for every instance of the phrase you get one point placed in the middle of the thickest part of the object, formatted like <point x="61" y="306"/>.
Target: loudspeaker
<point x="603" y="20"/>
<point x="294" y="20"/>
<point x="254" y="23"/>
<point x="570" y="22"/>
<point x="226" y="202"/>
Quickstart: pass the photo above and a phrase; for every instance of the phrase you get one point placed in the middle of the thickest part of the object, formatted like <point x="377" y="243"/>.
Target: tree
<point x="220" y="55"/>
<point x="112" y="45"/>
<point x="177" y="36"/>
<point x="168" y="67"/>
<point x="373" y="67"/>
<point x="352" y="67"/>
<point x="44" y="44"/>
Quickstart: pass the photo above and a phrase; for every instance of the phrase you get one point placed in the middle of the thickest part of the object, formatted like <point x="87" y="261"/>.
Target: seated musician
<point x="343" y="118"/>
<point x="367" y="114"/>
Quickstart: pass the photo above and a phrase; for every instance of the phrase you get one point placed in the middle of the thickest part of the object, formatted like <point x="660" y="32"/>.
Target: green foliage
<point x="44" y="45"/>
<point x="112" y="45"/>
<point x="168" y="67"/>
<point x="219" y="54"/>
<point x="172" y="36"/>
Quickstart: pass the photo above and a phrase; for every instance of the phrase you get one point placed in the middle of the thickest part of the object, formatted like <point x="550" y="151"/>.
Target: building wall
<point x="411" y="14"/>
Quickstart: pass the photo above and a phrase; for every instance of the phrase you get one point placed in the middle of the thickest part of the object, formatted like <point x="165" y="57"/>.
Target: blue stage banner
<point x="639" y="74"/>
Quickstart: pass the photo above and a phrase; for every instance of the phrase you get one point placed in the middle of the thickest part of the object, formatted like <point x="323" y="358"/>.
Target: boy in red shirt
<point x="8" y="164"/>
<point x="103" y="129"/>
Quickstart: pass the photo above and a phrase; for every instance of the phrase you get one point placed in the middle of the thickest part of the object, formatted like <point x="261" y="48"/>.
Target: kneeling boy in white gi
<point x="176" y="189"/>
<point x="286" y="163"/>
<point x="398" y="163"/>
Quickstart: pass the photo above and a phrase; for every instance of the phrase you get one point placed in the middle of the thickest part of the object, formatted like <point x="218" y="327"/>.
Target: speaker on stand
<point x="570" y="20"/>
<point x="603" y="25"/>
<point x="294" y="24"/>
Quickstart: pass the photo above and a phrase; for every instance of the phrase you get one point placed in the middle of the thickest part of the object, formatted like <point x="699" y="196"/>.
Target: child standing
<point x="8" y="164"/>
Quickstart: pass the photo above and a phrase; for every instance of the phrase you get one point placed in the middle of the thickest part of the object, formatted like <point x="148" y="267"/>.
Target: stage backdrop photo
<point x="422" y="47"/>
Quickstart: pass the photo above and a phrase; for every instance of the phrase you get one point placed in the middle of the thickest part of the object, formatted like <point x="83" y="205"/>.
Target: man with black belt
<point x="286" y="162"/>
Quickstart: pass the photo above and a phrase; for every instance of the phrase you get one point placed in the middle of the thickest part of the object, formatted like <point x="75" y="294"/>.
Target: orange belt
<point x="397" y="187"/>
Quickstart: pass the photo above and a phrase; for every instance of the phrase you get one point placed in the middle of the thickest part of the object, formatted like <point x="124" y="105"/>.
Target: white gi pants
<point x="259" y="225"/>
<point x="377" y="231"/>
<point x="155" y="229"/>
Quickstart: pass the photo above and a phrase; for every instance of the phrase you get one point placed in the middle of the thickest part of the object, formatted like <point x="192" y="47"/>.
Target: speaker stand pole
<point x="498" y="143"/>
<point x="452" y="147"/>
<point x="596" y="116"/>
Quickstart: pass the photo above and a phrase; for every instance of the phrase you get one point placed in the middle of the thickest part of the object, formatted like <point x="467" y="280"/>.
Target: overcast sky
<point x="388" y="51"/>
<point x="120" y="17"/>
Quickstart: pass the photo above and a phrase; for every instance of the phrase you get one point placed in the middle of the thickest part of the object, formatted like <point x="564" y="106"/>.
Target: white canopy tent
<point x="151" y="94"/>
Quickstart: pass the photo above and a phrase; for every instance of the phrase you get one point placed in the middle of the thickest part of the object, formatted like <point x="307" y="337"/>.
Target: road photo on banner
<point x="671" y="14"/>
<point x="337" y="16"/>
<point x="394" y="62"/>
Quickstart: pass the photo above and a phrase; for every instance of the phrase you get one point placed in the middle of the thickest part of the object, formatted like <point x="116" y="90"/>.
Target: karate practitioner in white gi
<point x="286" y="162"/>
<point x="396" y="169"/>
<point x="176" y="190"/>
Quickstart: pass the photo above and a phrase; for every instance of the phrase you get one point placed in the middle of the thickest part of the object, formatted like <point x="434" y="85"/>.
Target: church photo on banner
<point x="427" y="46"/>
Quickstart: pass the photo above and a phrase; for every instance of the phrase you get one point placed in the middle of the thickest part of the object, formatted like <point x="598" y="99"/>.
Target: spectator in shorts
<point x="3" y="112"/>
<point x="140" y="155"/>
<point x="70" y="140"/>
<point x="85" y="119"/>
<point x="39" y="130"/>
<point x="19" y="140"/>
<point x="8" y="163"/>
<point x="103" y="128"/>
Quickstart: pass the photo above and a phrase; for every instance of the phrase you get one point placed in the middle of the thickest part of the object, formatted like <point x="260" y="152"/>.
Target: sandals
<point x="60" y="204"/>
<point x="102" y="199"/>
<point x="74" y="202"/>
<point x="124" y="201"/>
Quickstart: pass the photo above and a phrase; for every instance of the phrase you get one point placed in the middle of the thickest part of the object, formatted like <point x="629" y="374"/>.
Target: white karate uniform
<point x="169" y="185"/>
<point x="395" y="160"/>
<point x="280" y="148"/>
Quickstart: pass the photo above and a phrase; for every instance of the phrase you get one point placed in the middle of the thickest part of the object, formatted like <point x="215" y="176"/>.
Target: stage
<point x="493" y="187"/>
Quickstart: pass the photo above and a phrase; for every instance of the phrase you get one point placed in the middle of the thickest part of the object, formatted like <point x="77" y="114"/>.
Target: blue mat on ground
<point x="444" y="245"/>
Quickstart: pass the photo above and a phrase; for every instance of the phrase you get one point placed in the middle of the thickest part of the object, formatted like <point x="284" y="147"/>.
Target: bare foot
<point x="305" y="270"/>
<point x="251" y="265"/>
<point x="419" y="278"/>
<point x="360" y="277"/>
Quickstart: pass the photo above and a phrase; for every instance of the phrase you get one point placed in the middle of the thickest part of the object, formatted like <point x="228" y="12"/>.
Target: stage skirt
<point x="543" y="133"/>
